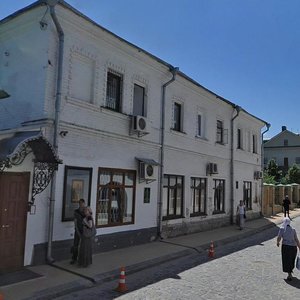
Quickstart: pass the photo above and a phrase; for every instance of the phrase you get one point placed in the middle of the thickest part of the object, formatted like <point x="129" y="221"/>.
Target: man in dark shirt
<point x="286" y="206"/>
<point x="78" y="217"/>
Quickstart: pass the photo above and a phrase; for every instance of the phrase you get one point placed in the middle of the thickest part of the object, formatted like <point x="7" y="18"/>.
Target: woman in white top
<point x="290" y="242"/>
<point x="241" y="214"/>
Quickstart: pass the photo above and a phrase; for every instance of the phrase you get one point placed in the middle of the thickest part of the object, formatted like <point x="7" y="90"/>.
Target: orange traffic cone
<point x="211" y="251"/>
<point x="122" y="286"/>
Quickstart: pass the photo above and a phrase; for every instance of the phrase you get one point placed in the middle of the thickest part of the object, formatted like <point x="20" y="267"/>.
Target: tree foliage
<point x="294" y="174"/>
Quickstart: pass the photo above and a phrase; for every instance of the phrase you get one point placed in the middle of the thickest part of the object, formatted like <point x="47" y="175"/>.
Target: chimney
<point x="283" y="128"/>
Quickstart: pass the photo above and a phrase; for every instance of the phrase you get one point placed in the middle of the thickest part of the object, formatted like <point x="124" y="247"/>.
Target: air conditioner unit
<point x="147" y="171"/>
<point x="140" y="124"/>
<point x="212" y="168"/>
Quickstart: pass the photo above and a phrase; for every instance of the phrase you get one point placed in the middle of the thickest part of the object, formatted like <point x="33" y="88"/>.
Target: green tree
<point x="294" y="174"/>
<point x="273" y="170"/>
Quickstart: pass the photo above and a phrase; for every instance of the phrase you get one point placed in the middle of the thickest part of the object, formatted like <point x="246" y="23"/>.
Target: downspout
<point x="162" y="150"/>
<point x="262" y="164"/>
<point x="237" y="109"/>
<point x="60" y="33"/>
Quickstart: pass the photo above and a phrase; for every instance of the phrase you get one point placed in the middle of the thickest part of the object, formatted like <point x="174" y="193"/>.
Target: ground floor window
<point x="198" y="196"/>
<point x="247" y="194"/>
<point x="77" y="185"/>
<point x="172" y="196"/>
<point x="219" y="196"/>
<point x="115" y="197"/>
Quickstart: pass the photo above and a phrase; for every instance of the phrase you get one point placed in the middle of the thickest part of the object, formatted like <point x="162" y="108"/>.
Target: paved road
<point x="247" y="269"/>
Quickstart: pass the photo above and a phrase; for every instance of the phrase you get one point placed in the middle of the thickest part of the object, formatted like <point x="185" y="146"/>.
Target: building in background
<point x="92" y="116"/>
<point x="284" y="148"/>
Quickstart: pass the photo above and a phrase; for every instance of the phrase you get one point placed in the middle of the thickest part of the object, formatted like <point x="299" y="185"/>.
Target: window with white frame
<point x="177" y="116"/>
<point x="116" y="197"/>
<point x="254" y="143"/>
<point x="220" y="132"/>
<point x="113" y="91"/>
<point x="139" y="104"/>
<point x="247" y="194"/>
<point x="173" y="196"/>
<point x="198" y="196"/>
<point x="199" y="125"/>
<point x="219" y="196"/>
<point x="239" y="139"/>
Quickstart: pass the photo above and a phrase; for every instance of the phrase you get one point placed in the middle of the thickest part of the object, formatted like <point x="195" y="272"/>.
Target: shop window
<point x="116" y="197"/>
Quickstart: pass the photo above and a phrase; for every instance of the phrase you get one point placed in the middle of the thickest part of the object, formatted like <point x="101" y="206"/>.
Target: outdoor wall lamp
<point x="3" y="94"/>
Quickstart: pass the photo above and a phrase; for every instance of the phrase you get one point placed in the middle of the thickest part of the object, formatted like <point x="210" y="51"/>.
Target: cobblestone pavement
<point x="246" y="269"/>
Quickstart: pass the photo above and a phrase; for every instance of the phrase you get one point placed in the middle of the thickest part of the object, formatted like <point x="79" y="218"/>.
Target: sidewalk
<point x="63" y="278"/>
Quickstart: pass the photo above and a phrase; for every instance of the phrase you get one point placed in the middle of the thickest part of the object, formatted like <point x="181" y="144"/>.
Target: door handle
<point x="5" y="226"/>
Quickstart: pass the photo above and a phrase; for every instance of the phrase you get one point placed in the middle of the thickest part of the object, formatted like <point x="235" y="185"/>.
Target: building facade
<point x="152" y="152"/>
<point x="284" y="148"/>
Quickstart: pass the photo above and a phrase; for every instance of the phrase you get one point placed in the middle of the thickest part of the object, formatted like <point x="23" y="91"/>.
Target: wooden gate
<point x="14" y="189"/>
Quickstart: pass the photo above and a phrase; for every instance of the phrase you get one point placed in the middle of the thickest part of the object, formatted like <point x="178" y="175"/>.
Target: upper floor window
<point x="220" y="132"/>
<point x="297" y="160"/>
<point x="139" y="101"/>
<point x="177" y="117"/>
<point x="285" y="142"/>
<point x="199" y="125"/>
<point x="113" y="91"/>
<point x="254" y="143"/>
<point x="239" y="139"/>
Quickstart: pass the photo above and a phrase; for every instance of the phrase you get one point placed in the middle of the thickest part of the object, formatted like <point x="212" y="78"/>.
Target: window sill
<point x="198" y="215"/>
<point x="202" y="138"/>
<point x="172" y="218"/>
<point x="219" y="143"/>
<point x="114" y="113"/>
<point x="177" y="132"/>
<point x="218" y="212"/>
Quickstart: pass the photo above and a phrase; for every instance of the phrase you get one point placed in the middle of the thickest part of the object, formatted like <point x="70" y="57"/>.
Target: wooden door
<point x="14" y="188"/>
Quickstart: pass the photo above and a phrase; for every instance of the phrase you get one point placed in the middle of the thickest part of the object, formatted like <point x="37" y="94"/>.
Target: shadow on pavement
<point x="295" y="282"/>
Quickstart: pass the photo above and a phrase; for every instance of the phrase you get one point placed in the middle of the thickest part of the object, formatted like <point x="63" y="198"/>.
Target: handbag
<point x="298" y="263"/>
<point x="245" y="216"/>
<point x="89" y="232"/>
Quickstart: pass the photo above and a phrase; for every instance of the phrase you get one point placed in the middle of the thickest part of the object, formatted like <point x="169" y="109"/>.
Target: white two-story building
<point x="89" y="115"/>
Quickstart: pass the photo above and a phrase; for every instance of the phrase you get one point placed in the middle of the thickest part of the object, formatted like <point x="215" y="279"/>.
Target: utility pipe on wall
<point x="237" y="109"/>
<point x="262" y="164"/>
<point x="60" y="33"/>
<point x="162" y="149"/>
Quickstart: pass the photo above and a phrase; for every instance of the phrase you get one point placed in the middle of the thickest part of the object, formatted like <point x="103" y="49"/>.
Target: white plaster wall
<point x="88" y="149"/>
<point x="23" y="67"/>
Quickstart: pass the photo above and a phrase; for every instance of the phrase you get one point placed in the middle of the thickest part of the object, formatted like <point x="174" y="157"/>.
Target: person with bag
<point x="241" y="214"/>
<point x="78" y="217"/>
<point x="86" y="241"/>
<point x="290" y="242"/>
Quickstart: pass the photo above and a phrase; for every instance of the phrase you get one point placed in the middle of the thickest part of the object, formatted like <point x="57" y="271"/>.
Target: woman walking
<point x="290" y="242"/>
<point x="241" y="214"/>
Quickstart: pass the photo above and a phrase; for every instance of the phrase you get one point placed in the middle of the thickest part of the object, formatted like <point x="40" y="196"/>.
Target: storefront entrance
<point x="14" y="189"/>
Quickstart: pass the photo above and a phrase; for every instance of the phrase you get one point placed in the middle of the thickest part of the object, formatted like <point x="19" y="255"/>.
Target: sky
<point x="247" y="51"/>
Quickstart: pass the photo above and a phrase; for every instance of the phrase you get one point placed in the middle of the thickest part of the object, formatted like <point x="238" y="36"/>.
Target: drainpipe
<point x="262" y="164"/>
<point x="60" y="33"/>
<point x="162" y="149"/>
<point x="237" y="109"/>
